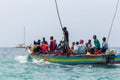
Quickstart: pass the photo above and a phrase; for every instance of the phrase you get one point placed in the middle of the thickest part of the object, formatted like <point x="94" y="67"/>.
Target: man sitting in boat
<point x="33" y="46"/>
<point x="82" y="48"/>
<point x="96" y="43"/>
<point x="44" y="47"/>
<point x="96" y="49"/>
<point x="104" y="45"/>
<point x="72" y="46"/>
<point x="44" y="41"/>
<point x="76" y="48"/>
<point x="52" y="45"/>
<point x="60" y="48"/>
<point x="60" y="45"/>
<point x="89" y="45"/>
<point x="36" y="47"/>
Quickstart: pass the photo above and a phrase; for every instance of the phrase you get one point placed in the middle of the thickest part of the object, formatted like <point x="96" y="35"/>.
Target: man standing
<point x="44" y="41"/>
<point x="66" y="37"/>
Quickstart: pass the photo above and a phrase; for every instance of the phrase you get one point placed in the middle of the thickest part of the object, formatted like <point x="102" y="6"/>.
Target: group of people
<point x="43" y="46"/>
<point x="63" y="48"/>
<point x="87" y="48"/>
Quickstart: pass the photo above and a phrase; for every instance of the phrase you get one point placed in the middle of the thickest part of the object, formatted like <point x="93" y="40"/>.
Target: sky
<point x="83" y="19"/>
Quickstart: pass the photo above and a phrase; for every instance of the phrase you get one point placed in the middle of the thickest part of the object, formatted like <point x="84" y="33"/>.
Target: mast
<point x="24" y="36"/>
<point x="58" y="15"/>
<point x="66" y="43"/>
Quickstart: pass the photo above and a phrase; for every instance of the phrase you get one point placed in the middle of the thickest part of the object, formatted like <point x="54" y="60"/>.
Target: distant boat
<point x="23" y="45"/>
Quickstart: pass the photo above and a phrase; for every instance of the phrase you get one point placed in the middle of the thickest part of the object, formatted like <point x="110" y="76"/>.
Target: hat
<point x="34" y="42"/>
<point x="81" y="41"/>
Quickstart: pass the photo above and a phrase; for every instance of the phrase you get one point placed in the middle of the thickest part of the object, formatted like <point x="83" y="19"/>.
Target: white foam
<point x="21" y="59"/>
<point x="41" y="62"/>
<point x="38" y="61"/>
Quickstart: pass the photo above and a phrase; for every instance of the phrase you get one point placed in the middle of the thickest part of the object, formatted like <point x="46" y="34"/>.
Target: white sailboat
<point x="23" y="45"/>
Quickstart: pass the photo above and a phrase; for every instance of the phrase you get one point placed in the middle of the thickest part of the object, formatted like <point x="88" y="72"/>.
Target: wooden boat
<point x="109" y="58"/>
<point x="78" y="59"/>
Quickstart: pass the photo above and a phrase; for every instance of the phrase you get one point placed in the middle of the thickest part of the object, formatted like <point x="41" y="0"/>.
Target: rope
<point x="114" y="16"/>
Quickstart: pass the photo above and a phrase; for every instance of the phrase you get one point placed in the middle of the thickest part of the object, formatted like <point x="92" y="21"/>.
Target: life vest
<point x="97" y="52"/>
<point x="52" y="45"/>
<point x="44" y="48"/>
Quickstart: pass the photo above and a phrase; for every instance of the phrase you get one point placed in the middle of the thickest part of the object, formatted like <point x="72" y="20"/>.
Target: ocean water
<point x="15" y="65"/>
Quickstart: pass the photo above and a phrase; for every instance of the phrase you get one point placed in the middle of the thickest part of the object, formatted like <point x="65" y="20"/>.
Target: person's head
<point x="34" y="42"/>
<point x="73" y="43"/>
<point x="89" y="41"/>
<point x="94" y="37"/>
<point x="51" y="38"/>
<point x="104" y="38"/>
<point x="77" y="43"/>
<point x="81" y="41"/>
<point x="38" y="42"/>
<point x="43" y="38"/>
<point x="64" y="28"/>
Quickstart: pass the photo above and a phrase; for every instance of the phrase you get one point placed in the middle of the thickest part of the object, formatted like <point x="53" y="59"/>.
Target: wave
<point x="41" y="61"/>
<point x="26" y="59"/>
<point x="21" y="59"/>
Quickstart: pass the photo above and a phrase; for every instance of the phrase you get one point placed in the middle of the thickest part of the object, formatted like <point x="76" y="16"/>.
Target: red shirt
<point x="44" y="47"/>
<point x="52" y="45"/>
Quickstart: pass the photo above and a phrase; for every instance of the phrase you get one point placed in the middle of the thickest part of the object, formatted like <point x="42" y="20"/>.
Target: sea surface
<point x="15" y="65"/>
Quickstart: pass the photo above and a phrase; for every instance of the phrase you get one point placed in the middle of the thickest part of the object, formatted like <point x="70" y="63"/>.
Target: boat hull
<point x="74" y="60"/>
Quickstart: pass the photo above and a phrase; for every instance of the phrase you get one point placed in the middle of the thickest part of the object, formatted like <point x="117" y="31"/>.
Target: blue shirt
<point x="82" y="49"/>
<point x="105" y="45"/>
